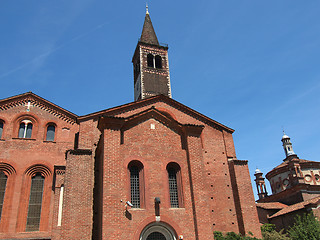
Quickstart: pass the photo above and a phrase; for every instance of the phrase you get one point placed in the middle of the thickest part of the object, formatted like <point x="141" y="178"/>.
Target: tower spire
<point x="148" y="34"/>
<point x="287" y="145"/>
<point x="150" y="64"/>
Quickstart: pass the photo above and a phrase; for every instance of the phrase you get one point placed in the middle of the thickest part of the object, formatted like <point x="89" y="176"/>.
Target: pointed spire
<point x="148" y="34"/>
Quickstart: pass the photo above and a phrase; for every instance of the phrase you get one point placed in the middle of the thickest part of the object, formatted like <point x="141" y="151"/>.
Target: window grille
<point x="1" y="129"/>
<point x="35" y="202"/>
<point x="135" y="186"/>
<point x="3" y="183"/>
<point x="156" y="236"/>
<point x="173" y="188"/>
<point x="50" y="133"/>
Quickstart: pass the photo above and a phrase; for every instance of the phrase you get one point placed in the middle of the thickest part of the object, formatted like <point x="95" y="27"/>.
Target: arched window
<point x="175" y="190"/>
<point x="158" y="61"/>
<point x="50" y="132"/>
<point x="136" y="183"/>
<point x="1" y="129"/>
<point x="3" y="184"/>
<point x="35" y="203"/>
<point x="25" y="129"/>
<point x="150" y="60"/>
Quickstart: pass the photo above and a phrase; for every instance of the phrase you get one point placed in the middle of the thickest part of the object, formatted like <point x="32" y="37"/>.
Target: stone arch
<point x="158" y="231"/>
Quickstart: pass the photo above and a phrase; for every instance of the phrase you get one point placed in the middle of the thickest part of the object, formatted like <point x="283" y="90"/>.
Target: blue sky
<point x="251" y="65"/>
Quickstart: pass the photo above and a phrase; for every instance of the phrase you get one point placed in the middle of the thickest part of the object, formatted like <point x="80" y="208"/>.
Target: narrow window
<point x="21" y="130"/>
<point x="135" y="186"/>
<point x="25" y="129"/>
<point x="3" y="183"/>
<point x="50" y="133"/>
<point x="173" y="188"/>
<point x="35" y="202"/>
<point x="158" y="61"/>
<point x="1" y="129"/>
<point x="150" y="60"/>
<point x="174" y="185"/>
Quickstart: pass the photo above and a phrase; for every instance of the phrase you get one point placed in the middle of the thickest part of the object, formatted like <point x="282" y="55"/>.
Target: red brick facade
<point x="177" y="167"/>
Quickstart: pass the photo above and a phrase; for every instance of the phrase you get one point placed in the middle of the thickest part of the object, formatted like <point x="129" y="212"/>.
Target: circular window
<point x="157" y="231"/>
<point x="307" y="178"/>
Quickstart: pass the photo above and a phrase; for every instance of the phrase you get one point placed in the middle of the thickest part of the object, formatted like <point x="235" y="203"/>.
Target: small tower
<point x="287" y="145"/>
<point x="150" y="64"/>
<point x="261" y="186"/>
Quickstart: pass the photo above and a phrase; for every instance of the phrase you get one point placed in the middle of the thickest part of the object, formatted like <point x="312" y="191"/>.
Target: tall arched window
<point x="158" y="61"/>
<point x="35" y="203"/>
<point x="1" y="129"/>
<point x="25" y="129"/>
<point x="174" y="180"/>
<point x="136" y="183"/>
<point x="150" y="60"/>
<point x="50" y="132"/>
<point x="3" y="184"/>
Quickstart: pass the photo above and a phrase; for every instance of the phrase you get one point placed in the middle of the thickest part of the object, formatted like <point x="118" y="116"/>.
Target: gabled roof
<point x="314" y="202"/>
<point x="148" y="34"/>
<point x="24" y="98"/>
<point x="151" y="100"/>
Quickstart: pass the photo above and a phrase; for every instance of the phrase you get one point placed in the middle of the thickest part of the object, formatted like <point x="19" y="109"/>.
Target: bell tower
<point x="150" y="64"/>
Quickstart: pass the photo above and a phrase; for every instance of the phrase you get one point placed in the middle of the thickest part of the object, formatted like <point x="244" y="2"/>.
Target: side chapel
<point x="150" y="169"/>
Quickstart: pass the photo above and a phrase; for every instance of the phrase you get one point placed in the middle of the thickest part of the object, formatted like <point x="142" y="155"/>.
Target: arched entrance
<point x="157" y="231"/>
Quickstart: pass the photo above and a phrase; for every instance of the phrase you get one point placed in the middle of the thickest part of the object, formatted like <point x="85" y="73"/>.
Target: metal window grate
<point x="135" y="186"/>
<point x="173" y="188"/>
<point x="3" y="183"/>
<point x="35" y="202"/>
<point x="156" y="236"/>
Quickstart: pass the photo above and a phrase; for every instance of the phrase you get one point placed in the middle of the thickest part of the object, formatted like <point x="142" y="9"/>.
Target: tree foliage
<point x="232" y="236"/>
<point x="269" y="233"/>
<point x="306" y="227"/>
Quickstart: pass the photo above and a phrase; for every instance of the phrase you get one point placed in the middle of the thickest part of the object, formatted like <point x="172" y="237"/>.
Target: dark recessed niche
<point x="233" y="223"/>
<point x="230" y="210"/>
<point x="228" y="185"/>
<point x="228" y="197"/>
<point x="205" y="151"/>
<point x="207" y="162"/>
<point x="214" y="224"/>
<point x="208" y="173"/>
<point x="212" y="211"/>
<point x="211" y="185"/>
<point x="211" y="197"/>
<point x="225" y="174"/>
<point x="223" y="163"/>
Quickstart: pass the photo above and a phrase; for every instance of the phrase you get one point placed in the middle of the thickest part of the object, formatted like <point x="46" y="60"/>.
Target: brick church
<point x="152" y="169"/>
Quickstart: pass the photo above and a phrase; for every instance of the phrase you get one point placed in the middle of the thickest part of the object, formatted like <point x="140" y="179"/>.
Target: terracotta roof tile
<point x="272" y="205"/>
<point x="296" y="207"/>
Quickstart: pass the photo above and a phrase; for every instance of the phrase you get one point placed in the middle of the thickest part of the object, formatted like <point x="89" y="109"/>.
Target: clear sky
<point x="251" y="65"/>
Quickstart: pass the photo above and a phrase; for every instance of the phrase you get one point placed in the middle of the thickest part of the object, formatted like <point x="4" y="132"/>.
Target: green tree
<point x="306" y="227"/>
<point x="269" y="233"/>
